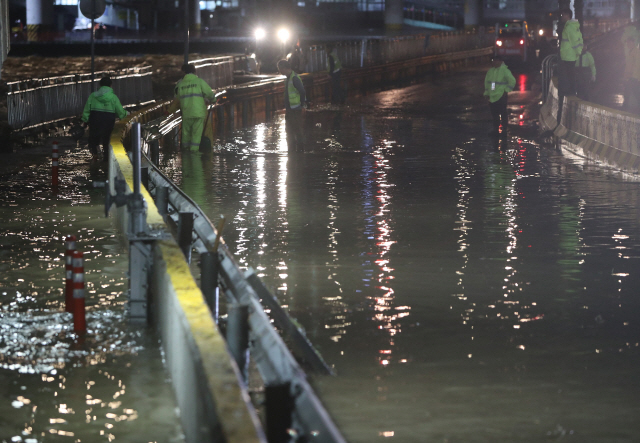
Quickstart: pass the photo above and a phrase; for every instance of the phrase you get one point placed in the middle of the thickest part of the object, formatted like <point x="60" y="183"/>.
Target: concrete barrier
<point x="594" y="131"/>
<point x="213" y="406"/>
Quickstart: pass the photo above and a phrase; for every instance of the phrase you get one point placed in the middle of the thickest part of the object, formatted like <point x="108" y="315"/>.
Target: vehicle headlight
<point x="283" y="35"/>
<point x="259" y="33"/>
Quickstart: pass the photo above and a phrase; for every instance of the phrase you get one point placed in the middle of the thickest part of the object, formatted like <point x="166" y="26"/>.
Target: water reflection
<point x="55" y="382"/>
<point x="406" y="236"/>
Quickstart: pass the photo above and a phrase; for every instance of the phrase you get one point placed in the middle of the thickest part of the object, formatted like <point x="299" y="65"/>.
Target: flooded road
<point x="56" y="386"/>
<point x="466" y="289"/>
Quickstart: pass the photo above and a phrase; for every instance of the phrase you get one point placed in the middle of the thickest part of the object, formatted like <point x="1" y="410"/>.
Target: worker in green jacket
<point x="497" y="84"/>
<point x="190" y="95"/>
<point x="585" y="73"/>
<point x="100" y="112"/>
<point x="570" y="49"/>
<point x="295" y="101"/>
<point x="334" y="67"/>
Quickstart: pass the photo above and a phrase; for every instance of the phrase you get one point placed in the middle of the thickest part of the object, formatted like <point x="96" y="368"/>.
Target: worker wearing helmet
<point x="294" y="102"/>
<point x="100" y="112"/>
<point x="190" y="95"/>
<point x="497" y="84"/>
<point x="335" y="72"/>
<point x="570" y="49"/>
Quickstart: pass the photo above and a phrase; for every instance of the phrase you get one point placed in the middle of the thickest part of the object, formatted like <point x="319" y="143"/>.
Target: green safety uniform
<point x="293" y="95"/>
<point x="100" y="111"/>
<point x="587" y="63"/>
<point x="191" y="92"/>
<point x="497" y="82"/>
<point x="571" y="41"/>
<point x="103" y="100"/>
<point x="294" y="100"/>
<point x="332" y="59"/>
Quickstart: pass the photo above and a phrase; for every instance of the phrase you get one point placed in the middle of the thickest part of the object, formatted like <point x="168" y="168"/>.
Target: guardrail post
<point x="278" y="407"/>
<point x="144" y="177"/>
<point x="220" y="116"/>
<point x="162" y="200"/>
<point x="238" y="335"/>
<point x="155" y="151"/>
<point x="209" y="269"/>
<point x="185" y="230"/>
<point x="245" y="112"/>
<point x="267" y="106"/>
<point x="140" y="244"/>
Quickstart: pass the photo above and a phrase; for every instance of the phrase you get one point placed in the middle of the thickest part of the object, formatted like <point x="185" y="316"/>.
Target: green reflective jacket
<point x="191" y="91"/>
<point x="336" y="61"/>
<point x="103" y="100"/>
<point x="586" y="61"/>
<point x="498" y="81"/>
<point x="292" y="92"/>
<point x="571" y="41"/>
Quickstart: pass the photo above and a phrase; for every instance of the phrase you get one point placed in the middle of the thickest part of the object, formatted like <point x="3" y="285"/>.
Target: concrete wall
<point x="594" y="131"/>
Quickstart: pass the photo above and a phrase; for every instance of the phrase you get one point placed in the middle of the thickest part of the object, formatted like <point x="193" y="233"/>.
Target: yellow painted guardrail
<point x="196" y="353"/>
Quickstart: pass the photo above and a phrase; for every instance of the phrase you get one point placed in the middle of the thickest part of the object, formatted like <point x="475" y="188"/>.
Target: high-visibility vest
<point x="498" y="82"/>
<point x="292" y="92"/>
<point x="571" y="41"/>
<point x="192" y="91"/>
<point x="336" y="61"/>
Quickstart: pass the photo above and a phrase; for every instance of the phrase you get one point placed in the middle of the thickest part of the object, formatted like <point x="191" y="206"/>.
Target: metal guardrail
<point x="548" y="68"/>
<point x="217" y="72"/>
<point x="37" y="101"/>
<point x="275" y="362"/>
<point x="378" y="51"/>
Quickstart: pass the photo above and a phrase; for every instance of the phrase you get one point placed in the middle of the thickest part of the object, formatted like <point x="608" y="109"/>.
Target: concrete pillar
<point x="393" y="15"/>
<point x="39" y="19"/>
<point x="472" y="13"/>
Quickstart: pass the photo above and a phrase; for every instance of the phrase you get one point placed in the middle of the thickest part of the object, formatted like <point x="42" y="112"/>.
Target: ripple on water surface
<point x="107" y="385"/>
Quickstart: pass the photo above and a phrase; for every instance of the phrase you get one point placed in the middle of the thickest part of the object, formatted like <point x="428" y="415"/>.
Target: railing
<point x="371" y="52"/>
<point x="243" y="290"/>
<point x="217" y="72"/>
<point x="37" y="101"/>
<point x="548" y="68"/>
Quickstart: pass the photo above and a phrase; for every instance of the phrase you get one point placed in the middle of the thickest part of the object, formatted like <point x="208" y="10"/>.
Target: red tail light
<point x="522" y="42"/>
<point x="499" y="42"/>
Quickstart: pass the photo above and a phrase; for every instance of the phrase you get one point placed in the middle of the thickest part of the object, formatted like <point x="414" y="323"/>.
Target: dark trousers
<point x="566" y="77"/>
<point x="100" y="129"/>
<point x="583" y="83"/>
<point x="337" y="93"/>
<point x="293" y="128"/>
<point x="499" y="113"/>
<point x="566" y="83"/>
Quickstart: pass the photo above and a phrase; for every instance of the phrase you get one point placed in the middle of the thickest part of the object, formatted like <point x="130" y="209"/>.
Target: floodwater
<point x="466" y="289"/>
<point x="56" y="386"/>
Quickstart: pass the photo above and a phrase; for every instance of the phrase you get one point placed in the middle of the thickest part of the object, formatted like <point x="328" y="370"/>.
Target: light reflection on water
<point x="465" y="290"/>
<point x="109" y="385"/>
